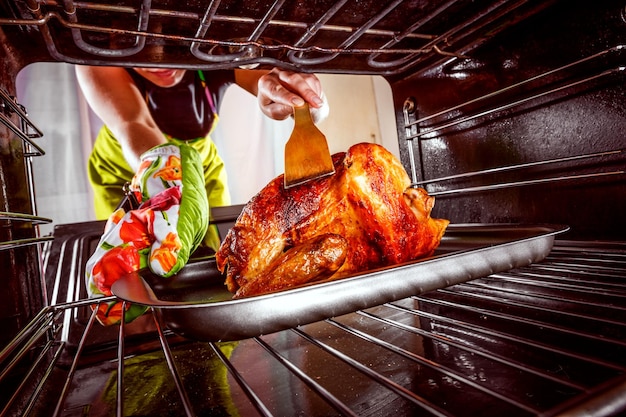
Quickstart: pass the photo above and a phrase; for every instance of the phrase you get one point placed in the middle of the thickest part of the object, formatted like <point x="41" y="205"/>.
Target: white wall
<point x="361" y="110"/>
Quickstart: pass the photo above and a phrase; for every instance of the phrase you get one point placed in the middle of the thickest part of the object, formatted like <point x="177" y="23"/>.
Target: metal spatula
<point x="306" y="152"/>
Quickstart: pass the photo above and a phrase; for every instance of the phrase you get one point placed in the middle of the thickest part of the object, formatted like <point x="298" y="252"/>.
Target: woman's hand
<point x="279" y="90"/>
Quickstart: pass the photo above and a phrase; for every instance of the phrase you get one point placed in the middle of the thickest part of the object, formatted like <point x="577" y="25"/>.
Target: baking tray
<point x="195" y="303"/>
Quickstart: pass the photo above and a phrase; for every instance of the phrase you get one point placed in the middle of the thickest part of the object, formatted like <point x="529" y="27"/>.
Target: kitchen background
<point x="361" y="110"/>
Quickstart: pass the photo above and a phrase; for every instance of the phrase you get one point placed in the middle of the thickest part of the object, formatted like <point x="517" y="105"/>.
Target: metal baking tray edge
<point x="466" y="252"/>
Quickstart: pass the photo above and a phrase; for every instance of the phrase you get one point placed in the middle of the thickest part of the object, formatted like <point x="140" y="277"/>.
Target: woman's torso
<point x="187" y="110"/>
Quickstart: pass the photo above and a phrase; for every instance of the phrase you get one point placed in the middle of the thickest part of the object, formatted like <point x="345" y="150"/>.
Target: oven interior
<point x="509" y="112"/>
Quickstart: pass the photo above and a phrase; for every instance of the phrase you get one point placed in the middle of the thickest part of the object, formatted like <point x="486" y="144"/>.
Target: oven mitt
<point x="170" y="223"/>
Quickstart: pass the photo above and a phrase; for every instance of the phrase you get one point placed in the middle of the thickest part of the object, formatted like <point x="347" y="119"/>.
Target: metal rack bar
<point x="402" y="35"/>
<point x="5" y="215"/>
<point x="526" y="321"/>
<point x="39" y="388"/>
<point x="250" y="50"/>
<point x="523" y="183"/>
<point x="216" y="61"/>
<point x="398" y="389"/>
<point x="518" y="166"/>
<point x="467" y="289"/>
<point x="474" y="351"/>
<point x="610" y="402"/>
<point x="18" y="243"/>
<point x="610" y="255"/>
<point x="516" y="103"/>
<point x="425" y="362"/>
<point x="600" y="270"/>
<point x="24" y="342"/>
<point x="247" y="52"/>
<point x="547" y="281"/>
<point x="601" y="265"/>
<point x="252" y="396"/>
<point x="16" y="352"/>
<point x="588" y="273"/>
<point x="313" y="29"/>
<point x="171" y="364"/>
<point x="330" y="398"/>
<point x="402" y="391"/>
<point x="73" y="367"/>
<point x="206" y="21"/>
<point x="512" y="338"/>
<point x="119" y="410"/>
<point x="470" y="26"/>
<point x="9" y="106"/>
<point x="412" y="131"/>
<point x="354" y="37"/>
<point x="142" y="26"/>
<point x="155" y="11"/>
<point x="614" y="50"/>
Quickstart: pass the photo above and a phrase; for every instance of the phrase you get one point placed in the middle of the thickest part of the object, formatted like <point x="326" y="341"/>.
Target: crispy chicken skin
<point x="364" y="216"/>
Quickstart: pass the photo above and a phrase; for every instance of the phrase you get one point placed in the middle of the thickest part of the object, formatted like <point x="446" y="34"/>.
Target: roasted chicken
<point x="364" y="216"/>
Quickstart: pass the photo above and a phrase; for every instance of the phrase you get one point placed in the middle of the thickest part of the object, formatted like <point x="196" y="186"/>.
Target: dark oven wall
<point x="569" y="61"/>
<point x="21" y="296"/>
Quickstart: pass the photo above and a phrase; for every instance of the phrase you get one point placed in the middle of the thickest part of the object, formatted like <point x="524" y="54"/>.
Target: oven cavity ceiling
<point x="367" y="37"/>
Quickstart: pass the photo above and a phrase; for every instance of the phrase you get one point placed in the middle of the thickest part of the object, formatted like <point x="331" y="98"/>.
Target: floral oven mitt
<point x="161" y="234"/>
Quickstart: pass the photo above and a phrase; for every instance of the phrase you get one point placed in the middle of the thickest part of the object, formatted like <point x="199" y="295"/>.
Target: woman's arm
<point x="114" y="97"/>
<point x="278" y="91"/>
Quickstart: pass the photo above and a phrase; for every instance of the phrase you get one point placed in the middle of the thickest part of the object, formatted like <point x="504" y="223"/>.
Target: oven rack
<point x="547" y="339"/>
<point x="26" y="131"/>
<point x="444" y="121"/>
<point x="273" y="32"/>
<point x="524" y="182"/>
<point x="425" y="127"/>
